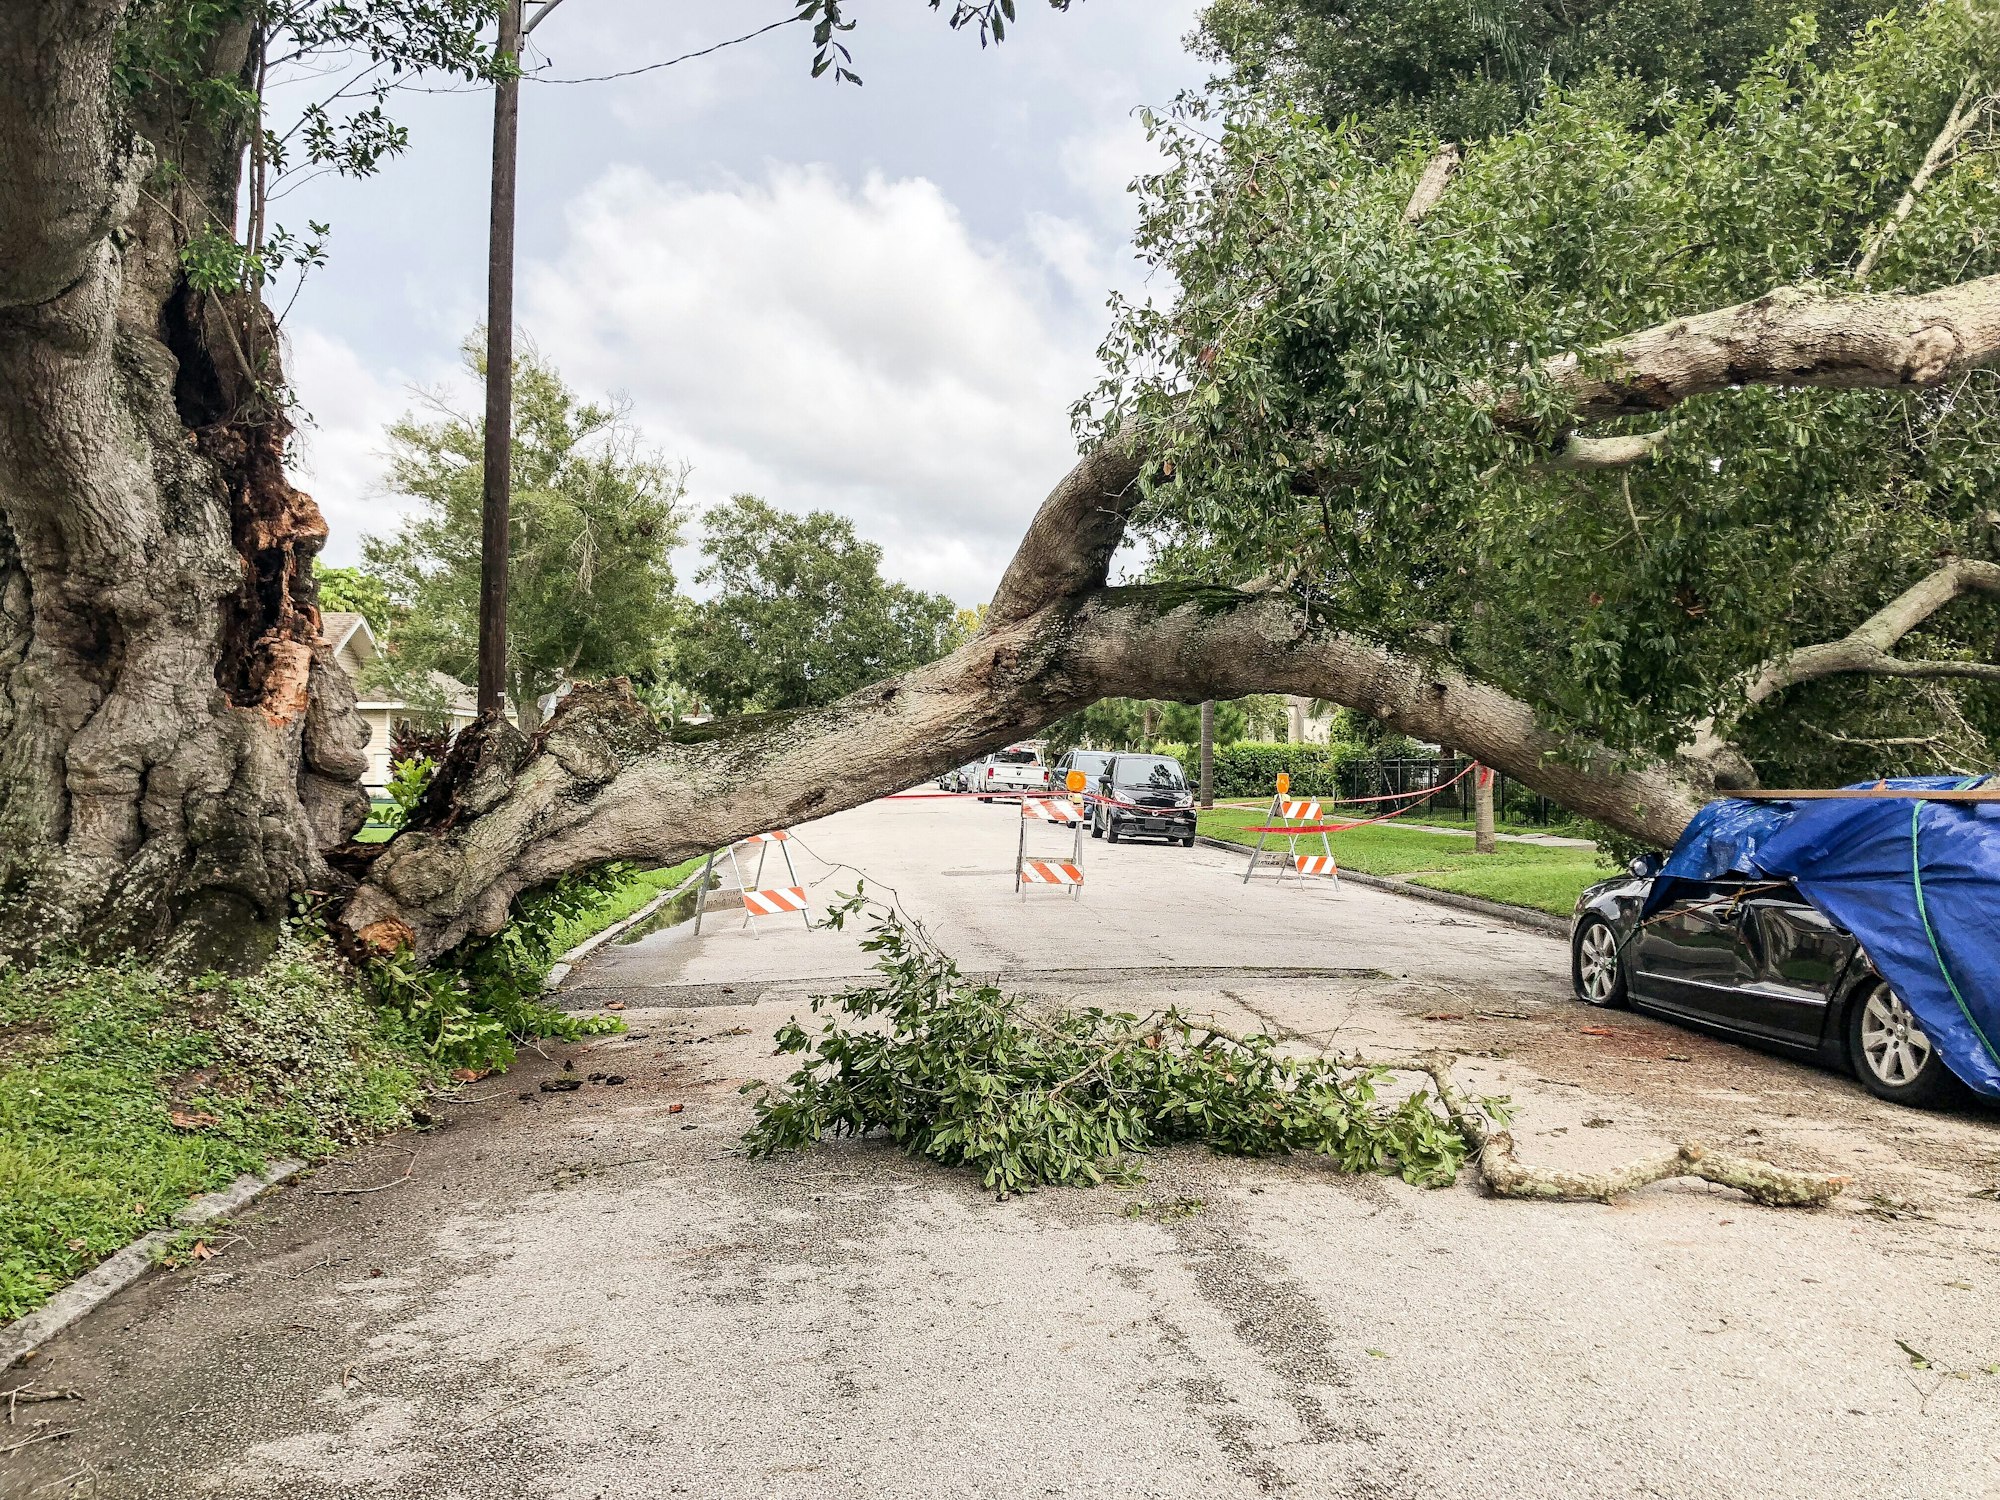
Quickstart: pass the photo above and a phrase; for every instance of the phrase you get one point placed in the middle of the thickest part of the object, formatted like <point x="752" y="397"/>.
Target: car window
<point x="1089" y="762"/>
<point x="1017" y="758"/>
<point x="1154" y="773"/>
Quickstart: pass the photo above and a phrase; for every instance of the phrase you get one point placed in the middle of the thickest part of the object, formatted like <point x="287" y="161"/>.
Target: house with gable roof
<point x="353" y="644"/>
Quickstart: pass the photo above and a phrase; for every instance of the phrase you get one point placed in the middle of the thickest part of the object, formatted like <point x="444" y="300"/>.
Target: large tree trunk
<point x="173" y="747"/>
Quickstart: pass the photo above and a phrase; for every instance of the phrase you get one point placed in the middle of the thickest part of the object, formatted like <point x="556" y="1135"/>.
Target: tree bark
<point x="173" y="750"/>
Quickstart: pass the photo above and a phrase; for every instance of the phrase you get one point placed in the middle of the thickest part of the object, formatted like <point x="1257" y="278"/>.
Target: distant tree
<point x="355" y="591"/>
<point x="801" y="614"/>
<point x="590" y="591"/>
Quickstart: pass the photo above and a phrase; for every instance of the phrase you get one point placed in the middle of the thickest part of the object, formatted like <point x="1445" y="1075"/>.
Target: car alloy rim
<point x="1597" y="962"/>
<point x="1892" y="1043"/>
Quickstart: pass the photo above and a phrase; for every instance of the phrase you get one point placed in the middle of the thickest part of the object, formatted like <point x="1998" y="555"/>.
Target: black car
<point x="1143" y="795"/>
<point x="1093" y="764"/>
<point x="1753" y="959"/>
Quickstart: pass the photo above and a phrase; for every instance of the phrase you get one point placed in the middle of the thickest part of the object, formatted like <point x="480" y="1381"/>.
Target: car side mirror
<point x="1645" y="866"/>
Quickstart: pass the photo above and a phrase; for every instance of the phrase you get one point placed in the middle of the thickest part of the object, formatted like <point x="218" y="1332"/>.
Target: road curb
<point x="113" y="1274"/>
<point x="1534" y="921"/>
<point x="559" y="970"/>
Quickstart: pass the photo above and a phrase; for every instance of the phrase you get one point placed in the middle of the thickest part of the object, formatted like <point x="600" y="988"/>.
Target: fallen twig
<point x="380" y="1187"/>
<point x="29" y="1394"/>
<point x="1507" y="1177"/>
<point x="39" y="1437"/>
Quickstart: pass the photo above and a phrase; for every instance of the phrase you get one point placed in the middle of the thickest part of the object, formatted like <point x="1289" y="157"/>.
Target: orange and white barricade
<point x="1063" y="812"/>
<point x="1291" y="819"/>
<point x="774" y="901"/>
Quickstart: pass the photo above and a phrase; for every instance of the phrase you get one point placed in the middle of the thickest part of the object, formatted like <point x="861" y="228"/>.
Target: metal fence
<point x="1512" y="802"/>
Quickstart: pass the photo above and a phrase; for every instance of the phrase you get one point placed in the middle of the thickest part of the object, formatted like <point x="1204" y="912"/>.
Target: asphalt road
<point x="595" y="1295"/>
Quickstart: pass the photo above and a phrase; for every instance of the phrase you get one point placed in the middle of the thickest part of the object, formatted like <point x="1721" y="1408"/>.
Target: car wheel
<point x="1110" y="830"/>
<point x="1595" y="968"/>
<point x="1097" y="825"/>
<point x="1188" y="842"/>
<point x="1890" y="1053"/>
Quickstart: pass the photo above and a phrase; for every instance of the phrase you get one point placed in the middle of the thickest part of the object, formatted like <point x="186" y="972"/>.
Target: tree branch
<point x="1958" y="125"/>
<point x="1792" y="336"/>
<point x="1579" y="452"/>
<point x="1429" y="191"/>
<point x="1866" y="649"/>
<point x="602" y="781"/>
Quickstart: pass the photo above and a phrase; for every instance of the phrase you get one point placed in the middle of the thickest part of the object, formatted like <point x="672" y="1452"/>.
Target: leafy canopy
<point x="1314" y="392"/>
<point x="590" y="591"/>
<point x="1467" y="69"/>
<point x="801" y="614"/>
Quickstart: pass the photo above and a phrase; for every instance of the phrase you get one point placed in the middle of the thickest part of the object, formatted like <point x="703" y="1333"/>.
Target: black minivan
<point x="1143" y="795"/>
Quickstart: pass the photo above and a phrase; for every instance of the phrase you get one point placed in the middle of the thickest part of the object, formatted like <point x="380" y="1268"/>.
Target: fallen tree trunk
<point x="602" y="781"/>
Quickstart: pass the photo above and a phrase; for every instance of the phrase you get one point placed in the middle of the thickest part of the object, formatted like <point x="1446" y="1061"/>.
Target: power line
<point x="684" y="57"/>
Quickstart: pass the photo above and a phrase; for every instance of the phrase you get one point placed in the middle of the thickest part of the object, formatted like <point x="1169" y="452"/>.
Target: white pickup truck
<point x="1014" y="770"/>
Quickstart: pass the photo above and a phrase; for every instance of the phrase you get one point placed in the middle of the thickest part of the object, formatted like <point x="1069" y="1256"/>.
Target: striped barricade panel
<point x="1316" y="864"/>
<point x="1307" y="810"/>
<point x="1051" y="809"/>
<point x="1050" y="872"/>
<point x="776" y="837"/>
<point x="790" y="898"/>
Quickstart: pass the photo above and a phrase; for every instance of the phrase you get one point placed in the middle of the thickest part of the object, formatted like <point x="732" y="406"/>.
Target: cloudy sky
<point x="879" y="301"/>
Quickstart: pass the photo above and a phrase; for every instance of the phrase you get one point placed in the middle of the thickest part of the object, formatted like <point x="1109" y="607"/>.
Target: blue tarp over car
<point x="1917" y="882"/>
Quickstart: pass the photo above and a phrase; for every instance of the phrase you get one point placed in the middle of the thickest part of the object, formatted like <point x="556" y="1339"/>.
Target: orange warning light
<point x="1284" y="782"/>
<point x="1074" y="781"/>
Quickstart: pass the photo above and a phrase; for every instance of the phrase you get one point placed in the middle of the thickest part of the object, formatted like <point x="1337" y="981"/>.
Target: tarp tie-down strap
<point x="1930" y="933"/>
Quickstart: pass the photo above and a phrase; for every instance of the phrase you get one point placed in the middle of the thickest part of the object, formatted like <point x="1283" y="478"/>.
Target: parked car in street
<point x="959" y="778"/>
<point x="1753" y="960"/>
<point x="1143" y="795"/>
<point x="1091" y="762"/>
<point x="1014" y="770"/>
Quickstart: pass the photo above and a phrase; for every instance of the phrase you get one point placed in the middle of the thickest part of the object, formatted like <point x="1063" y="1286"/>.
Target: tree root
<point x="1507" y="1177"/>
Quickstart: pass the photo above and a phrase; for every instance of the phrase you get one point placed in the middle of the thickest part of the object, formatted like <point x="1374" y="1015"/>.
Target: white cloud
<point x="348" y="404"/>
<point x="828" y="345"/>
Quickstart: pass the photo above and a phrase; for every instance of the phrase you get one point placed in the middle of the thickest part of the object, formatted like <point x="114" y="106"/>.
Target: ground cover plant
<point x="1540" y="876"/>
<point x="124" y="1092"/>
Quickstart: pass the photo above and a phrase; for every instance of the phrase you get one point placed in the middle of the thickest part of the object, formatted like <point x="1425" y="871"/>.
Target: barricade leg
<point x="1257" y="852"/>
<point x="792" y="875"/>
<point x="701" y="905"/>
<point x="736" y="869"/>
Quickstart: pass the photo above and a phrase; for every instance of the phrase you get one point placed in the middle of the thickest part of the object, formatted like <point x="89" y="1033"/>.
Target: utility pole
<point x="1208" y="752"/>
<point x="497" y="492"/>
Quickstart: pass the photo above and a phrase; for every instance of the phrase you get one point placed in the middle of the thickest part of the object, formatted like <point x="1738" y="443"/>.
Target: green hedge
<point x="1250" y="769"/>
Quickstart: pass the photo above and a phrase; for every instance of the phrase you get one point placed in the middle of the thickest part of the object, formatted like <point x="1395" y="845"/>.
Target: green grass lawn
<point x="621" y="903"/>
<point x="1532" y="875"/>
<point x="124" y="1092"/>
